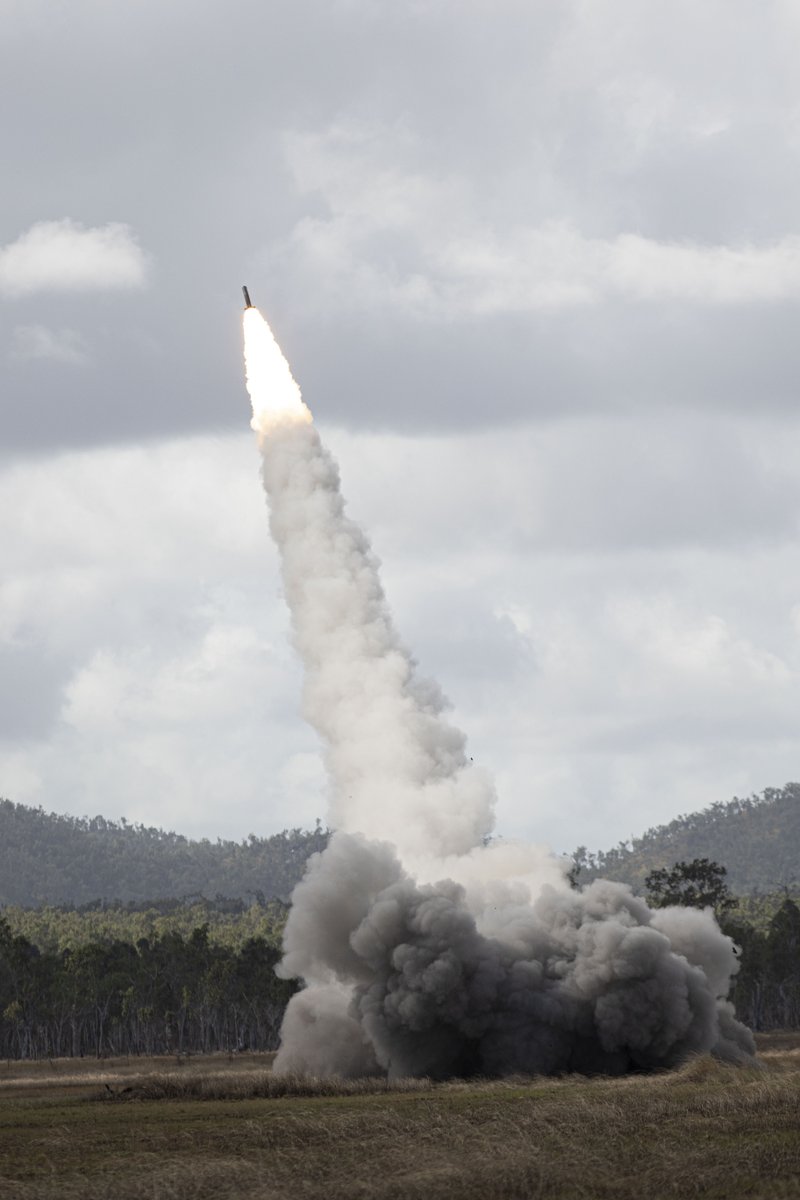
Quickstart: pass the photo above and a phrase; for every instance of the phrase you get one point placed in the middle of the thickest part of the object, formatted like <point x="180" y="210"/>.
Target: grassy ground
<point x="223" y="1129"/>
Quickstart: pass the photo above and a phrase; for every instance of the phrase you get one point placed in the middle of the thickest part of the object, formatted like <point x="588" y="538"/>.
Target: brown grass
<point x="49" y="1077"/>
<point x="705" y="1131"/>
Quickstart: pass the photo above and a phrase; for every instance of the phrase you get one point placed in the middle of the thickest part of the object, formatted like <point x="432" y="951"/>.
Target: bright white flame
<point x="274" y="393"/>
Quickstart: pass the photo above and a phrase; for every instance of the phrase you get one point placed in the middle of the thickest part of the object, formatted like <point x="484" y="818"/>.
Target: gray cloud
<point x="60" y="345"/>
<point x="587" y="511"/>
<point x="604" y="158"/>
<point x="29" y="709"/>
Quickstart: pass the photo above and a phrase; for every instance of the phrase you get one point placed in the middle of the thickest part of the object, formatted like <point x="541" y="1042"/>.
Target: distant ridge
<point x="757" y="840"/>
<point x="47" y="858"/>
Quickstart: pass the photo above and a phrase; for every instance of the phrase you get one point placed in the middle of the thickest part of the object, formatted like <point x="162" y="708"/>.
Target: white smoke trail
<point x="399" y="769"/>
<point x="502" y="966"/>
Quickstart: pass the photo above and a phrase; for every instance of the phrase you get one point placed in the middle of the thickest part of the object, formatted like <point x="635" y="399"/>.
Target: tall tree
<point x="696" y="884"/>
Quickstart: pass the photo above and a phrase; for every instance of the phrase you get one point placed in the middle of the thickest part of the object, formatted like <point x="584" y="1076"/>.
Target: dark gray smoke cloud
<point x="402" y="980"/>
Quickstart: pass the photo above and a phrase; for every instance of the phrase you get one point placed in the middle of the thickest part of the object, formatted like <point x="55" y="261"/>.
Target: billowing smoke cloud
<point x="423" y="949"/>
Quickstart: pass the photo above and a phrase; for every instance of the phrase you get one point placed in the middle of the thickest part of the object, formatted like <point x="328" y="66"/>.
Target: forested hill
<point x="757" y="840"/>
<point x="50" y="859"/>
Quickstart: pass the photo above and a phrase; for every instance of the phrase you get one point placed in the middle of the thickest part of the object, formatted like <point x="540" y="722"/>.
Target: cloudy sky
<point x="536" y="265"/>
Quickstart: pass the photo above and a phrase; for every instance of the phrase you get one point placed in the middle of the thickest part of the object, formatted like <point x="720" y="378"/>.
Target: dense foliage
<point x="757" y="839"/>
<point x="698" y="884"/>
<point x="230" y="923"/>
<point x="767" y="991"/>
<point x="50" y="859"/>
<point x="170" y="994"/>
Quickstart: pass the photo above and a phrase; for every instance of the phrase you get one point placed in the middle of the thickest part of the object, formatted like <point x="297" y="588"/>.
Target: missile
<point x="247" y="303"/>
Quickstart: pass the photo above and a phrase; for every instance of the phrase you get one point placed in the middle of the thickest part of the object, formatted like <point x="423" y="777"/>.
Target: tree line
<point x="767" y="988"/>
<point x="143" y="979"/>
<point x="230" y="921"/>
<point x="171" y="994"/>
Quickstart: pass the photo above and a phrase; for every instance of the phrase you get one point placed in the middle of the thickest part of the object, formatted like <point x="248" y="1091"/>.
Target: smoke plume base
<point x="406" y="979"/>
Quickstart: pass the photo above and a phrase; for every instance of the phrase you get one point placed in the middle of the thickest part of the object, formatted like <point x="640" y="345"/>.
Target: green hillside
<point x="46" y="858"/>
<point x="757" y="840"/>
<point x="50" y="859"/>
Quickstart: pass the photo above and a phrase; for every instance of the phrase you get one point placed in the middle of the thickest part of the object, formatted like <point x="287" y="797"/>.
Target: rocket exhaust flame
<point x="274" y="394"/>
<point x="423" y="950"/>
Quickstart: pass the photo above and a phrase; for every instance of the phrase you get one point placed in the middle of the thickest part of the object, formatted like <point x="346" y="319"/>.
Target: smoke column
<point x="422" y="949"/>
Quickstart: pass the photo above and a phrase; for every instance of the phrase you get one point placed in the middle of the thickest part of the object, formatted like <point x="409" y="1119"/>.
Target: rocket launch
<point x="423" y="947"/>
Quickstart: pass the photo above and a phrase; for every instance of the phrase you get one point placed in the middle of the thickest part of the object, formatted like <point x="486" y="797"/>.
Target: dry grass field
<point x="225" y="1128"/>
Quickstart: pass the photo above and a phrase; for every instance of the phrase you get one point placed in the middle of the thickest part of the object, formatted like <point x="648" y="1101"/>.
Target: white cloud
<point x="555" y="266"/>
<point x="65" y="256"/>
<point x="31" y="342"/>
<point x="608" y="682"/>
<point x="393" y="236"/>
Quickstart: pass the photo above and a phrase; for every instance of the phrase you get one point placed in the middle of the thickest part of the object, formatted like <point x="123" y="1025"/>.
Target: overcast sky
<point x="536" y="265"/>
